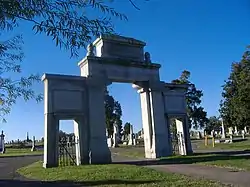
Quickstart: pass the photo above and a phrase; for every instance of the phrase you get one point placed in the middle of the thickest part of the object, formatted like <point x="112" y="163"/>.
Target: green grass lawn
<point x="223" y="146"/>
<point x="239" y="164"/>
<point x="219" y="160"/>
<point x="110" y="175"/>
<point x="20" y="152"/>
<point x="129" y="151"/>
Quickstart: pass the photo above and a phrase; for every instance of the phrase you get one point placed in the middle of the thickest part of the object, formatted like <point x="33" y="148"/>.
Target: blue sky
<point x="204" y="37"/>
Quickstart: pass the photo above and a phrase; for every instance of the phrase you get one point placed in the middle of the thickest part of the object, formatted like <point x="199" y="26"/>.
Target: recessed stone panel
<point x="175" y="104"/>
<point x="64" y="100"/>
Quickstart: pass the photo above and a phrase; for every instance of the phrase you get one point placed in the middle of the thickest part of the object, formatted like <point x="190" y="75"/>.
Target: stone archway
<point x="113" y="59"/>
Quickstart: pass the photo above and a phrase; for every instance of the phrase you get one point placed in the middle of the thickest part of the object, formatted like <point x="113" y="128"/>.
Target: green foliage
<point x="196" y="113"/>
<point x="126" y="128"/>
<point x="66" y="22"/>
<point x="11" y="57"/>
<point x="235" y="106"/>
<point x="213" y="124"/>
<point x="113" y="114"/>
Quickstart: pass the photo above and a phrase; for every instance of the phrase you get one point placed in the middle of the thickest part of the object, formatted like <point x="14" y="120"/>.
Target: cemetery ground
<point x="171" y="171"/>
<point x="11" y="152"/>
<point x="235" y="156"/>
<point x="110" y="175"/>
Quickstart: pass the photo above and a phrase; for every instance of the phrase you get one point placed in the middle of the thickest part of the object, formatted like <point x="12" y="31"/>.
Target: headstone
<point x="212" y="133"/>
<point x="236" y="131"/>
<point x="33" y="144"/>
<point x="230" y="130"/>
<point x="109" y="142"/>
<point x="198" y="135"/>
<point x="217" y="141"/>
<point x="202" y="134"/>
<point x="223" y="135"/>
<point x="134" y="139"/>
<point x="2" y="147"/>
<point x="115" y="139"/>
<point x="107" y="134"/>
<point x="231" y="134"/>
<point x="243" y="134"/>
<point x="123" y="137"/>
<point x="131" y="137"/>
<point x="245" y="129"/>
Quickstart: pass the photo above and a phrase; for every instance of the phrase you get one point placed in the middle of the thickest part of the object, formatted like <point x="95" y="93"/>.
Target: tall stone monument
<point x="33" y="148"/>
<point x="115" y="136"/>
<point x="2" y="143"/>
<point x="223" y="134"/>
<point x="131" y="136"/>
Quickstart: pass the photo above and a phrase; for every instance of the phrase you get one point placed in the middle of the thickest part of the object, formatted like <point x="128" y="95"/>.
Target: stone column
<point x="187" y="136"/>
<point x="99" y="151"/>
<point x="223" y="135"/>
<point x="185" y="147"/>
<point x="156" y="132"/>
<point x="181" y="137"/>
<point x="81" y="140"/>
<point x="51" y="139"/>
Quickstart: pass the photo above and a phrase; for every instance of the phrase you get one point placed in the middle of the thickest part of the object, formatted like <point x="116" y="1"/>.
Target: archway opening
<point x="124" y="128"/>
<point x="67" y="143"/>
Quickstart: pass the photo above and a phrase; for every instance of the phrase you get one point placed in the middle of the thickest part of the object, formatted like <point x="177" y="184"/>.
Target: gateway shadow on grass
<point x="195" y="158"/>
<point x="14" y="183"/>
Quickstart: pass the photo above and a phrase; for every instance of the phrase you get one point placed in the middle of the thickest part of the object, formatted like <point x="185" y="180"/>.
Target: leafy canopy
<point x="196" y="113"/>
<point x="65" y="21"/>
<point x="113" y="114"/>
<point x="235" y="106"/>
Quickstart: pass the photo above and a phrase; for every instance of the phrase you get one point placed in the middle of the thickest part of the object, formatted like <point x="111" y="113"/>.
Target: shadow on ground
<point x="222" y="152"/>
<point x="195" y="158"/>
<point x="14" y="183"/>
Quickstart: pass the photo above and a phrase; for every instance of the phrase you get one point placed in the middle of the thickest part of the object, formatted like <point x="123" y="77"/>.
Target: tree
<point x="11" y="57"/>
<point x="66" y="22"/>
<point x="196" y="113"/>
<point x="126" y="128"/>
<point x="213" y="124"/>
<point x="113" y="113"/>
<point x="235" y="106"/>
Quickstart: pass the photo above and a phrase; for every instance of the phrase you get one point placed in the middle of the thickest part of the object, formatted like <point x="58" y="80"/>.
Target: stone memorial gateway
<point x="112" y="58"/>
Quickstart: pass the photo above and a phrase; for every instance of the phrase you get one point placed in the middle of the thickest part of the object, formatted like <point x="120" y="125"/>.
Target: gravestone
<point x="2" y="146"/>
<point x="223" y="135"/>
<point x="236" y="132"/>
<point x="243" y="134"/>
<point x="231" y="134"/>
<point x="197" y="135"/>
<point x="130" y="136"/>
<point x="33" y="144"/>
<point x="109" y="142"/>
<point x="115" y="136"/>
<point x="246" y="130"/>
